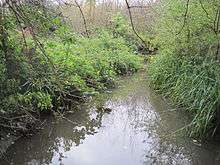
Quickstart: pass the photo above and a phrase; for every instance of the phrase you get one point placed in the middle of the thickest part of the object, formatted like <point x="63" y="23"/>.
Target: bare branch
<point x="204" y="9"/>
<point x="185" y="17"/>
<point x="81" y="12"/>
<point x="132" y="24"/>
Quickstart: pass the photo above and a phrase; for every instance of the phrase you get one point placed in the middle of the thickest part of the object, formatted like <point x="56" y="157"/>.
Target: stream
<point x="129" y="125"/>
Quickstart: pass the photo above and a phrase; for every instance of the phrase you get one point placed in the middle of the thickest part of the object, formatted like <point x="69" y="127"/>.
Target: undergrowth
<point x="57" y="69"/>
<point x="186" y="69"/>
<point x="80" y="66"/>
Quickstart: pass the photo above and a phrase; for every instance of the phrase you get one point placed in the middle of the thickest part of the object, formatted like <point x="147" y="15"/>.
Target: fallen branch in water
<point x="65" y="118"/>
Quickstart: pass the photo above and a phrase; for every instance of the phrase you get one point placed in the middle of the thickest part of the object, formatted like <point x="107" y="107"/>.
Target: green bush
<point x="70" y="65"/>
<point x="97" y="59"/>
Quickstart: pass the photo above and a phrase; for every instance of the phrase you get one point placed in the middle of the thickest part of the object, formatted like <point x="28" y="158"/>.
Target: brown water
<point x="133" y="133"/>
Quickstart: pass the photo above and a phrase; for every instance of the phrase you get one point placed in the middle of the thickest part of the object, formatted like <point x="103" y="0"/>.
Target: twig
<point x="185" y="17"/>
<point x="132" y="24"/>
<point x="83" y="17"/>
<point x="63" y="117"/>
<point x="203" y="8"/>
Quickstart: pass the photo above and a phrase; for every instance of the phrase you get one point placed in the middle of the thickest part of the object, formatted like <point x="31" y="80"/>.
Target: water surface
<point x="133" y="130"/>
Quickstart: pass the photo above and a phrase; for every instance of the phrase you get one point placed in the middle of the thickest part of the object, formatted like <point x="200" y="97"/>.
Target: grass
<point x="191" y="84"/>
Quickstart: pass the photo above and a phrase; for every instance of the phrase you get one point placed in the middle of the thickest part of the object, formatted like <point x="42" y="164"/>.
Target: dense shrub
<point x="65" y="66"/>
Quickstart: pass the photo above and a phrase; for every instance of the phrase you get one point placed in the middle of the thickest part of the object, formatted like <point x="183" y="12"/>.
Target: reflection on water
<point x="132" y="132"/>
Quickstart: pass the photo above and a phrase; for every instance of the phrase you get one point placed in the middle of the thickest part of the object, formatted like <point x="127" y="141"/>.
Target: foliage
<point x="187" y="66"/>
<point x="69" y="67"/>
<point x="120" y="28"/>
